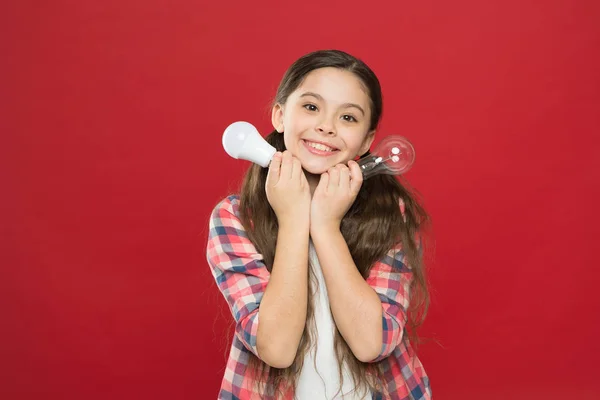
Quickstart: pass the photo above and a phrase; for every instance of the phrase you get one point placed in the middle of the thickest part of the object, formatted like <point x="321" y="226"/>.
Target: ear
<point x="277" y="117"/>
<point x="367" y="143"/>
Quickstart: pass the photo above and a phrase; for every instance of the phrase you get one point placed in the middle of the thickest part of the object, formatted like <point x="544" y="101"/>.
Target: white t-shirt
<point x="323" y="381"/>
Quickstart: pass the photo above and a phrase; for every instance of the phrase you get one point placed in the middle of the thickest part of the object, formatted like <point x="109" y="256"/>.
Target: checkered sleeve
<point x="238" y="269"/>
<point x="391" y="277"/>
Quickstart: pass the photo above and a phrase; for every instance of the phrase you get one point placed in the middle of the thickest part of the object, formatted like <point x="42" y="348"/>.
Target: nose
<point x="326" y="127"/>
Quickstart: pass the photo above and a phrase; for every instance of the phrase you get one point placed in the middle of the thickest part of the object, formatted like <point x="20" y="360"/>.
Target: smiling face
<point x="326" y="120"/>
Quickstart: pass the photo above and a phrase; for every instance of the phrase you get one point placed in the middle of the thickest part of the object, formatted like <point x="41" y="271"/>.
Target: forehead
<point x="336" y="86"/>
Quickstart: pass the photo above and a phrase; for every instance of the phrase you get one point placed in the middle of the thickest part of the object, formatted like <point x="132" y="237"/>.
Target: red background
<point x="111" y="121"/>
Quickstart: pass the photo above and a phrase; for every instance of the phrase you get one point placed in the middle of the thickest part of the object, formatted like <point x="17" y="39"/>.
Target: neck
<point x="313" y="181"/>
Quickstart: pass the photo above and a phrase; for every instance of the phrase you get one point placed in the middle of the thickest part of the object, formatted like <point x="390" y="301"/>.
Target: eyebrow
<point x="345" y="105"/>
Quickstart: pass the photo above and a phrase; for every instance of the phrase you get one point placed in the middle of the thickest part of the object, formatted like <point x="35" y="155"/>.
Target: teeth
<point x="319" y="146"/>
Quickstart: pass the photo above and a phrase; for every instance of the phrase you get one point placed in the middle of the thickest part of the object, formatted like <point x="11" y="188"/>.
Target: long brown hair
<point x="372" y="226"/>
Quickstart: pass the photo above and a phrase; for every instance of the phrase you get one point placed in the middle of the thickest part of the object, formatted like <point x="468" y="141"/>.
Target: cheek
<point x="290" y="138"/>
<point x="287" y="141"/>
<point x="354" y="143"/>
<point x="295" y="126"/>
<point x="296" y="121"/>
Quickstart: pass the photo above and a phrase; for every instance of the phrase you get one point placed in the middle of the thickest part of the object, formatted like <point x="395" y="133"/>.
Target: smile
<point x="319" y="148"/>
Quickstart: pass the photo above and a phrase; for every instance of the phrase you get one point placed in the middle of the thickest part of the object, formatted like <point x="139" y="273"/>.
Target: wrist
<point x="294" y="223"/>
<point x="324" y="228"/>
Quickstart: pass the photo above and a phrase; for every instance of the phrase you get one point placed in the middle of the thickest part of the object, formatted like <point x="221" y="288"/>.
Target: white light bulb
<point x="394" y="155"/>
<point x="242" y="141"/>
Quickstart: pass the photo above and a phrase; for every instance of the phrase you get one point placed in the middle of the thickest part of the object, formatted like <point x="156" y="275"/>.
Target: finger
<point x="323" y="182"/>
<point x="303" y="180"/>
<point x="274" y="169"/>
<point x="286" y="165"/>
<point x="344" y="177"/>
<point x="296" y="168"/>
<point x="356" y="177"/>
<point x="334" y="178"/>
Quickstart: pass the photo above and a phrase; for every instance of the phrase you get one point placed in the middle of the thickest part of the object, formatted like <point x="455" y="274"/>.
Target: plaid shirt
<point x="242" y="278"/>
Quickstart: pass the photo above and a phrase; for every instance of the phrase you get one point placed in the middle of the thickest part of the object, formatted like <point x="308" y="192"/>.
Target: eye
<point x="349" y="118"/>
<point x="310" y="107"/>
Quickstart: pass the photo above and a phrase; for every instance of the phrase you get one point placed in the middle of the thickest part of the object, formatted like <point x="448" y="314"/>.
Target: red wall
<point x="111" y="121"/>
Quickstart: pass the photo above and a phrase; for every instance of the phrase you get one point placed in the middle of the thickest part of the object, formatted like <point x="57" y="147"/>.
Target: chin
<point x="317" y="168"/>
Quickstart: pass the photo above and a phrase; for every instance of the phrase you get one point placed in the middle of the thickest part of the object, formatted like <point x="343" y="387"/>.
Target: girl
<point x="315" y="264"/>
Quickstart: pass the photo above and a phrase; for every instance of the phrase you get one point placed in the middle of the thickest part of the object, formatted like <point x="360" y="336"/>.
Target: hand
<point x="287" y="189"/>
<point x="334" y="195"/>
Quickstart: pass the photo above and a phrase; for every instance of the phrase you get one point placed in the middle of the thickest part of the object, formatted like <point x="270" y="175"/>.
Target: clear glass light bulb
<point x="394" y="155"/>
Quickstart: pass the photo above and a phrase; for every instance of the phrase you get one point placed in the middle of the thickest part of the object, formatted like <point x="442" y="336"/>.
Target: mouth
<point x="319" y="148"/>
